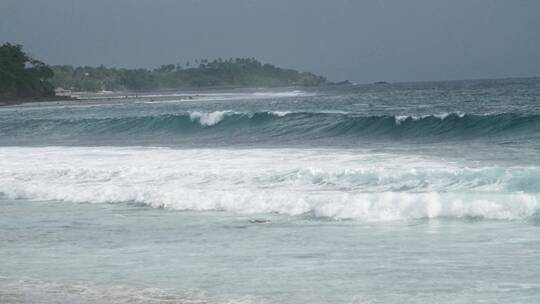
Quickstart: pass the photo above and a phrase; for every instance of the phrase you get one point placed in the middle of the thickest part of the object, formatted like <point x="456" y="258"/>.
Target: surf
<point x="314" y="183"/>
<point x="273" y="126"/>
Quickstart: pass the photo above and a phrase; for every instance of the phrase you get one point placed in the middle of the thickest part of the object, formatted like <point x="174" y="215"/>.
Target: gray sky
<point x="360" y="40"/>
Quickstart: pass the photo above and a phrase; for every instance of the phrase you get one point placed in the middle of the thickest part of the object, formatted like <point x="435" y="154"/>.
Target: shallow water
<point x="408" y="193"/>
<point x="61" y="250"/>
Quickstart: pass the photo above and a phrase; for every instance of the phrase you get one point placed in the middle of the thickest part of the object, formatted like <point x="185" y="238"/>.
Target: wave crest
<point x="208" y="119"/>
<point x="272" y="127"/>
<point x="371" y="207"/>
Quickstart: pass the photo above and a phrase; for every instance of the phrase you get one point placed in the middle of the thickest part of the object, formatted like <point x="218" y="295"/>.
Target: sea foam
<point x="321" y="183"/>
<point x="208" y="119"/>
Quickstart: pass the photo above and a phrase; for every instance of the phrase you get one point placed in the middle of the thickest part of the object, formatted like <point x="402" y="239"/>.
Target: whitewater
<point x="404" y="193"/>
<point x="323" y="183"/>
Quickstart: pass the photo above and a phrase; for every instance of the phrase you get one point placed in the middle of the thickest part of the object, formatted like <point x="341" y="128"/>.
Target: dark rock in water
<point x="260" y="221"/>
<point x="346" y="82"/>
<point x="381" y="82"/>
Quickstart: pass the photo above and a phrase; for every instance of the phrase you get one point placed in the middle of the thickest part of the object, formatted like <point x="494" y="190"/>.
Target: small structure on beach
<point x="63" y="92"/>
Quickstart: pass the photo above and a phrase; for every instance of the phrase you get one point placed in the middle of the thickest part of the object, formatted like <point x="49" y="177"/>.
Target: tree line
<point x="22" y="77"/>
<point x="238" y="72"/>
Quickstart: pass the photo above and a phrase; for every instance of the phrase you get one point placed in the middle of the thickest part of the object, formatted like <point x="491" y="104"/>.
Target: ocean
<point x="386" y="193"/>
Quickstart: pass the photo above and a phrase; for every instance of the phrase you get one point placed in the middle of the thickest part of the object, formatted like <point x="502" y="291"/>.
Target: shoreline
<point x="12" y="102"/>
<point x="81" y="96"/>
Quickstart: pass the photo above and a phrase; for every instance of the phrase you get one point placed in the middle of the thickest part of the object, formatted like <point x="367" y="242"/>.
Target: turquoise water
<point x="409" y="193"/>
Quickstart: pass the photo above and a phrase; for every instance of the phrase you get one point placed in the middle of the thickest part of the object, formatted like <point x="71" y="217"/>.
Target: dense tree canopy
<point x="21" y="76"/>
<point x="241" y="72"/>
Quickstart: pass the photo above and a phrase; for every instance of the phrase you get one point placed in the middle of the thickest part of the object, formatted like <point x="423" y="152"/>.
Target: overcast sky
<point x="360" y="40"/>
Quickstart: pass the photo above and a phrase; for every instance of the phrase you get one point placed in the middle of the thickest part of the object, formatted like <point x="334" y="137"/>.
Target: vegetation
<point x="239" y="72"/>
<point x="21" y="76"/>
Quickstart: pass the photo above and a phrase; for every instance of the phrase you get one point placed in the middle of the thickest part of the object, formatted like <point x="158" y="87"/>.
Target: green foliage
<point x="245" y="72"/>
<point x="21" y="76"/>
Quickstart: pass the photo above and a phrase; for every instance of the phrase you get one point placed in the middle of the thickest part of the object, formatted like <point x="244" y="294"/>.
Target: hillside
<point x="239" y="72"/>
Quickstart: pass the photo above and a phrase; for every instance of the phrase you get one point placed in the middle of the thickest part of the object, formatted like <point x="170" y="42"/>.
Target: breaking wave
<point x="329" y="184"/>
<point x="278" y="126"/>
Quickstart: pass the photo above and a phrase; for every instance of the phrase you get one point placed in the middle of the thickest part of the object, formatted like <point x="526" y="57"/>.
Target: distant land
<point x="238" y="72"/>
<point x="23" y="78"/>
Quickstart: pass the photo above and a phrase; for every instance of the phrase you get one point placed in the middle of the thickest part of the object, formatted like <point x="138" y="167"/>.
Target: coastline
<point x="19" y="101"/>
<point x="191" y="94"/>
